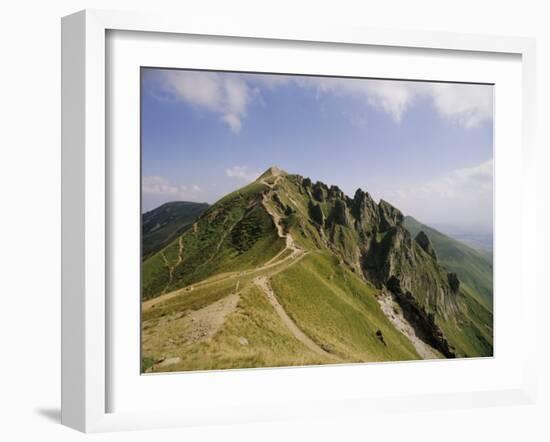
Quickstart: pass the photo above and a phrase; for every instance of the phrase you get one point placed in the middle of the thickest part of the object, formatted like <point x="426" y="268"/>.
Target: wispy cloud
<point x="160" y="186"/>
<point x="226" y="95"/>
<point x="462" y="184"/>
<point x="464" y="194"/>
<point x="229" y="95"/>
<point x="466" y="104"/>
<point x="242" y="173"/>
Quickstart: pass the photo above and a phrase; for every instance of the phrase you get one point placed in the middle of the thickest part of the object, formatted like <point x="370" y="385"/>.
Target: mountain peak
<point x="273" y="171"/>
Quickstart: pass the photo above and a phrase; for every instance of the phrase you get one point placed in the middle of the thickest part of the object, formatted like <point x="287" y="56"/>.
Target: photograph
<point x="302" y="220"/>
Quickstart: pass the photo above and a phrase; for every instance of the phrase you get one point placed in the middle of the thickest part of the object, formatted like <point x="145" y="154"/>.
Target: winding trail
<point x="204" y="323"/>
<point x="275" y="263"/>
<point x="171" y="268"/>
<point x="263" y="283"/>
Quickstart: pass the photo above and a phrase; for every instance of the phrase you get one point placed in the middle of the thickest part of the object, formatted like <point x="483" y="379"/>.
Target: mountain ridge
<point x="164" y="223"/>
<point x="474" y="267"/>
<point x="284" y="230"/>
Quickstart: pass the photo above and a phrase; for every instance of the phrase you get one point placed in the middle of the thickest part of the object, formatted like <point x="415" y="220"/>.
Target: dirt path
<point x="193" y="327"/>
<point x="263" y="284"/>
<point x="171" y="268"/>
<point x="395" y="314"/>
<point x="206" y="322"/>
<point x="296" y="253"/>
<point x="277" y="220"/>
<point x="283" y="264"/>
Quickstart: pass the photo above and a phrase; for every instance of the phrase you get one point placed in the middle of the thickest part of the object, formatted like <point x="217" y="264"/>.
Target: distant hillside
<point x="473" y="267"/>
<point x="287" y="271"/>
<point x="161" y="225"/>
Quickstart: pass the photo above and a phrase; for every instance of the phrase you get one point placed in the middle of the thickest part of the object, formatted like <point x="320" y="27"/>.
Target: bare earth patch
<point x="203" y="324"/>
<point x="173" y="331"/>
<point x="395" y="314"/>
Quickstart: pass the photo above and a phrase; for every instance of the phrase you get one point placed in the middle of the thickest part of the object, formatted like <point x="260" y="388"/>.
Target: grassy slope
<point x="327" y="301"/>
<point x="161" y="225"/>
<point x="473" y="268"/>
<point x="268" y="342"/>
<point x="233" y="234"/>
<point x="339" y="311"/>
<point x="473" y="335"/>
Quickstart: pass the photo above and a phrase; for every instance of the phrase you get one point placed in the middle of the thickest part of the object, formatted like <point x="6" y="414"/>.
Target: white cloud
<point x="160" y="186"/>
<point x="466" y="104"/>
<point x="463" y="196"/>
<point x="469" y="105"/>
<point x="229" y="95"/>
<point x="233" y="121"/>
<point x="242" y="173"/>
<point x="462" y="184"/>
<point x="392" y="97"/>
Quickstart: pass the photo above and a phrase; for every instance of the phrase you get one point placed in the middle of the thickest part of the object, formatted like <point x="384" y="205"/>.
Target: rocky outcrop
<point x="421" y="320"/>
<point x="339" y="214"/>
<point x="371" y="239"/>
<point x="334" y="192"/>
<point x="365" y="210"/>
<point x="316" y="213"/>
<point x="319" y="191"/>
<point x="425" y="244"/>
<point x="380" y="337"/>
<point x="389" y="215"/>
<point x="454" y="282"/>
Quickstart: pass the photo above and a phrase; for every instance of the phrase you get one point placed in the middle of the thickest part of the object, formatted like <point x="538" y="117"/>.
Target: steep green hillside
<point x="289" y="272"/>
<point x="161" y="225"/>
<point x="233" y="234"/>
<point x="473" y="267"/>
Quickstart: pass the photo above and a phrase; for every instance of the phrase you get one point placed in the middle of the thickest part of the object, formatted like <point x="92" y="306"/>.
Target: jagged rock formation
<point x="424" y="242"/>
<point x="382" y="246"/>
<point x="389" y="215"/>
<point x="454" y="283"/>
<point x="245" y="230"/>
<point x="370" y="238"/>
<point x="316" y="213"/>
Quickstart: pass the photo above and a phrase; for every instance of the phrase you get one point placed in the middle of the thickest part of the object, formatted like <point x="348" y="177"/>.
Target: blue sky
<point x="425" y="147"/>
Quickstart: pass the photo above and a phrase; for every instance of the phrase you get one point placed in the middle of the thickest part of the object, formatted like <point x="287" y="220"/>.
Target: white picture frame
<point x="86" y="209"/>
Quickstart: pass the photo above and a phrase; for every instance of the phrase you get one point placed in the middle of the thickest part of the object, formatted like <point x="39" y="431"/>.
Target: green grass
<point x="474" y="268"/>
<point x="268" y="343"/>
<point x="165" y="223"/>
<point x="191" y="300"/>
<point x="234" y="234"/>
<point x="322" y="291"/>
<point x="472" y="336"/>
<point x="339" y="311"/>
<point x="146" y="362"/>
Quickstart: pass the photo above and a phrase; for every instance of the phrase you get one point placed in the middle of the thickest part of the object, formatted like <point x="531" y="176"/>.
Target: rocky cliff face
<point x="425" y="244"/>
<point x="370" y="238"/>
<point x="243" y="230"/>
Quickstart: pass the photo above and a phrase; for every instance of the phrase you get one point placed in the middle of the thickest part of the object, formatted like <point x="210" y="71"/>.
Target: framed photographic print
<point x="279" y="223"/>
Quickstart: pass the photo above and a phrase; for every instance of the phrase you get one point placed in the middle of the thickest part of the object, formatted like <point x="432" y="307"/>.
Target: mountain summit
<point x="287" y="271"/>
<point x="272" y="172"/>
